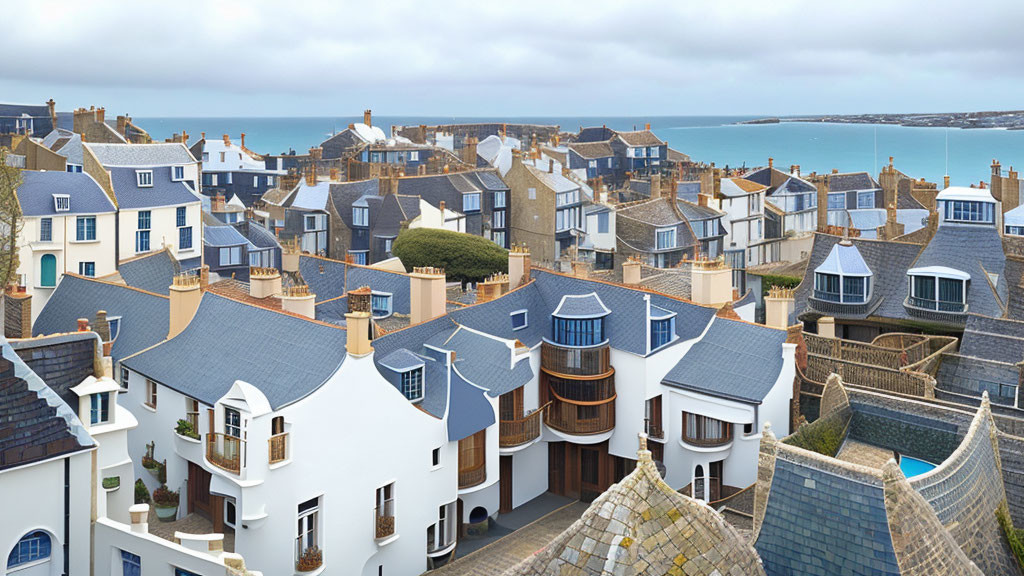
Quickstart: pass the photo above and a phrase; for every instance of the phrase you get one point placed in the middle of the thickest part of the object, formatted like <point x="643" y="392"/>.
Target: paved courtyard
<point x="495" y="558"/>
<point x="191" y="524"/>
<point x="864" y="454"/>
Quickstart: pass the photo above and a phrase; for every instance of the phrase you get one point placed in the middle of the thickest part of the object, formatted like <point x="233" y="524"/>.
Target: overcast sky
<point x="515" y="58"/>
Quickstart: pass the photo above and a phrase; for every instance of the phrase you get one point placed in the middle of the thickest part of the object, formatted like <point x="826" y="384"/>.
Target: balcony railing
<point x="937" y="305"/>
<point x="582" y="390"/>
<point x="384" y="519"/>
<point x="710" y="442"/>
<point x="278" y="447"/>
<point x="945" y="312"/>
<point x="225" y="451"/>
<point x="519" y="431"/>
<point x="594" y="361"/>
<point x="841" y="310"/>
<point x="581" y="419"/>
<point x="655" y="430"/>
<point x="472" y="466"/>
<point x="193" y="419"/>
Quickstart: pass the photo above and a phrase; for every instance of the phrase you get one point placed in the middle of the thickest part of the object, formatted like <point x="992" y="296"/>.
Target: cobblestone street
<point x="501" y="555"/>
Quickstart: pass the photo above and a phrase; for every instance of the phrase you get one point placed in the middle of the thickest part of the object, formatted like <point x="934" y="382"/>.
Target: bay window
<point x="578" y="331"/>
<point x="705" y="431"/>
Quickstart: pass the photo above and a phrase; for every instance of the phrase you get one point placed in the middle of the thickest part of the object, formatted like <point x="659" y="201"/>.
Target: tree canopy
<point x="10" y="220"/>
<point x="465" y="258"/>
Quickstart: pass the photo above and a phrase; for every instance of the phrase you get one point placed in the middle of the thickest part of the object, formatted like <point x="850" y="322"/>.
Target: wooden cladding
<point x="577" y="362"/>
<point x="578" y="419"/>
<point x="473" y="460"/>
<point x="519" y="431"/>
<point x="225" y="451"/>
<point x="582" y="391"/>
<point x="278" y="448"/>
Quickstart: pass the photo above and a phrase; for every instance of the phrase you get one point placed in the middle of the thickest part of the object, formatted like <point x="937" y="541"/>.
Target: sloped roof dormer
<point x="581" y="306"/>
<point x="844" y="260"/>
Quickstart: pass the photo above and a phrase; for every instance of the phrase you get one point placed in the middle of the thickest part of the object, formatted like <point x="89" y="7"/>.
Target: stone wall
<point x="62" y="361"/>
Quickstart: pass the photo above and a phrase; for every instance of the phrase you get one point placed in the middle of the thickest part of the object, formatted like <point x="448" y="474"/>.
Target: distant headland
<point x="1009" y="120"/>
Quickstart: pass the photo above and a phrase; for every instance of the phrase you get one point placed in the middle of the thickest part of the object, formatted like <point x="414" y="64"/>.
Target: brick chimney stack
<point x="368" y="117"/>
<point x="771" y="162"/>
<point x="427" y="293"/>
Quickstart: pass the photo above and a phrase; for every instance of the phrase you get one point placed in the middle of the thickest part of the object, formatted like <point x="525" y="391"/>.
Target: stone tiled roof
<point x="592" y="149"/>
<point x="139" y="155"/>
<point x="734" y="360"/>
<point x="852" y="181"/>
<point x="996" y="339"/>
<point x="640" y="138"/>
<point x="976" y="250"/>
<point x="35" y="195"/>
<point x="643" y="526"/>
<point x="153" y="272"/>
<point x="290" y="359"/>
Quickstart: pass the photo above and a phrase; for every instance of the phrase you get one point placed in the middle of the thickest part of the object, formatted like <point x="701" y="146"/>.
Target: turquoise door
<point x="48" y="270"/>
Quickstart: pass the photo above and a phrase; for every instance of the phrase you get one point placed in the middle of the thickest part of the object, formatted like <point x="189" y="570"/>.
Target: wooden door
<point x="590" y="473"/>
<point x="199" y="499"/>
<point x="715" y="481"/>
<point x="556" y="468"/>
<point x="505" y="479"/>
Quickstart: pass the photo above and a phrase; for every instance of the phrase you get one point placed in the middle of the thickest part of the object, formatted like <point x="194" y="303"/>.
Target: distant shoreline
<point x="1005" y="120"/>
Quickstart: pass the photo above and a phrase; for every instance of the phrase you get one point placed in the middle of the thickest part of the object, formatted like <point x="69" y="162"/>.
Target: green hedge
<point x="465" y="258"/>
<point x="824" y="436"/>
<point x="769" y="280"/>
<point x="1014" y="536"/>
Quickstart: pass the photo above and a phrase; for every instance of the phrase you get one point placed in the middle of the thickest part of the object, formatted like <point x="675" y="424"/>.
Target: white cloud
<point x="524" y="57"/>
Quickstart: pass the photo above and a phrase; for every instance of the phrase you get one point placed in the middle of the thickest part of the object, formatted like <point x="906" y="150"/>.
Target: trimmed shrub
<point x="112" y="482"/>
<point x="769" y="280"/>
<point x="464" y="257"/>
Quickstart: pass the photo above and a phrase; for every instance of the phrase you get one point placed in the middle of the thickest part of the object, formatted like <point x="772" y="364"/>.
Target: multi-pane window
<point x="471" y="202"/>
<point x="142" y="236"/>
<point x="380" y="304"/>
<point x="231" y="256"/>
<point x="232" y="422"/>
<point x="498" y="238"/>
<point x="412" y="384"/>
<point x="865" y="200"/>
<point x="360" y="216"/>
<point x="308" y="536"/>
<point x="358" y="257"/>
<point x="61" y="202"/>
<point x="666" y="239"/>
<point x="566" y="198"/>
<point x="837" y="201"/>
<point x="151" y="390"/>
<point x="854" y="289"/>
<point x="826" y="287"/>
<point x="969" y="211"/>
<point x="1015" y="230"/>
<point x="499" y="199"/>
<point x="124" y="378"/>
<point x="32" y="547"/>
<point x="131" y="564"/>
<point x="87" y="269"/>
<point x="662" y="331"/>
<point x="578" y="332"/>
<point x="177" y="173"/>
<point x="414" y="156"/>
<point x="699" y="429"/>
<point x="185" y="238"/>
<point x="498" y="219"/>
<point x="85" y="228"/>
<point x="654" y="152"/>
<point x="144" y="178"/>
<point x="179" y="216"/>
<point x="45" y="229"/>
<point x="99" y="408"/>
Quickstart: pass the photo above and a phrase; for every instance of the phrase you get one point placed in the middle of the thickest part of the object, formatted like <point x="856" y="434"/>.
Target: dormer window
<point x="519" y="319"/>
<point x="938" y="288"/>
<point x="177" y="173"/>
<point x="380" y="304"/>
<point x="663" y="327"/>
<point x="360" y="216"/>
<point x="471" y="202"/>
<point x="579" y="321"/>
<point x="666" y="238"/>
<point x="843" y="277"/>
<point x="99" y="411"/>
<point x="61" y="203"/>
<point x="969" y="211"/>
<point x="144" y="178"/>
<point x="412" y="384"/>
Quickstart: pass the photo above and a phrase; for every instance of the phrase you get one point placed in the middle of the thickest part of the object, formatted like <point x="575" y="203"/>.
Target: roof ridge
<point x="109" y="283"/>
<point x="282" y="312"/>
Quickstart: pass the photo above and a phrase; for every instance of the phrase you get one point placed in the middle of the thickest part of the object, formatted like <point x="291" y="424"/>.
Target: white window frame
<point x="174" y="176"/>
<point x="61" y="203"/>
<point x="144" y="178"/>
<point x="422" y="383"/>
<point x="414" y="156"/>
<point x="213" y="180"/>
<point x="360" y="216"/>
<point x="526" y="318"/>
<point x="391" y="302"/>
<point x="675" y="238"/>
<point x="255" y="181"/>
<point x="152" y="391"/>
<point x="471" y="202"/>
<point x="310" y="522"/>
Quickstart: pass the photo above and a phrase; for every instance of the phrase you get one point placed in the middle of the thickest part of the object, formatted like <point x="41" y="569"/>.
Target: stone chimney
<point x="1011" y="191"/>
<point x="492" y="287"/>
<point x="101" y="115"/>
<point x="656" y="186"/>
<point x="551" y="166"/>
<point x="945" y="181"/>
<point x="710" y="282"/>
<point x="778" y="305"/>
<point x="242" y="137"/>
<point x="102" y="327"/>
<point x="185" y="296"/>
<point x="469" y="150"/>
<point x="299" y="300"/>
<point x="140" y="518"/>
<point x="996" y="182"/>
<point x="631" y="271"/>
<point x="264" y="282"/>
<point x="647" y="126"/>
<point x="310" y="175"/>
<point x="122" y="125"/>
<point x="368" y="117"/>
<point x="18" y="313"/>
<point x="518" y="266"/>
<point x="357" y="341"/>
<point x="51" y="106"/>
<point x="83" y="324"/>
<point x="360" y="299"/>
<point x="316" y="153"/>
<point x="427" y="293"/>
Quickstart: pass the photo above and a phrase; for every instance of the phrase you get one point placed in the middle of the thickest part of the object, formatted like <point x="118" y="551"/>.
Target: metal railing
<point x="278" y="446"/>
<point x="936" y="305"/>
<point x="225" y="452"/>
<point x="519" y="431"/>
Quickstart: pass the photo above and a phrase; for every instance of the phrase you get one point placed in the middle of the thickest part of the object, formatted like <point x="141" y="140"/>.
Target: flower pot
<point x="166" y="513"/>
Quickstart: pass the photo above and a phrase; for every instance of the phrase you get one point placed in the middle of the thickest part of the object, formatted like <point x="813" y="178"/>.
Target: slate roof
<point x="223" y="236"/>
<point x="656" y="212"/>
<point x="435" y="378"/>
<point x="905" y="201"/>
<point x="42" y="123"/>
<point x="592" y="150"/>
<point x="345" y="194"/>
<point x="483" y="360"/>
<point x="844" y="259"/>
<point x="974" y="250"/>
<point x="163" y="192"/>
<point x="734" y="360"/>
<point x="331" y="281"/>
<point x="495" y="318"/>
<point x="970" y="376"/>
<point x="311" y="197"/>
<point x="153" y="272"/>
<point x="852" y="181"/>
<point x="63" y="361"/>
<point x="141" y="155"/>
<point x="401" y="360"/>
<point x="996" y="339"/>
<point x="450" y="187"/>
<point x="35" y="195"/>
<point x="640" y="138"/>
<point x="636" y="225"/>
<point x="35" y="424"/>
<point x="595" y="134"/>
<point x="693" y="211"/>
<point x="144" y="317"/>
<point x="260" y="236"/>
<point x="795" y="186"/>
<point x="291" y="359"/>
<point x="581" y="306"/>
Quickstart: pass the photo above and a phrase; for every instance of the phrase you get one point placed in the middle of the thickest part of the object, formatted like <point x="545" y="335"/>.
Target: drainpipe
<point x="67" y="513"/>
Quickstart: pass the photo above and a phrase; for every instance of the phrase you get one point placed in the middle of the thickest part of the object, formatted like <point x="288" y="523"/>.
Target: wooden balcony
<point x="577" y="362"/>
<point x="472" y="460"/>
<point x="384" y="519"/>
<point x="225" y="452"/>
<point x="580" y="418"/>
<point x="582" y="391"/>
<point x="278" y="448"/>
<point x="519" y="431"/>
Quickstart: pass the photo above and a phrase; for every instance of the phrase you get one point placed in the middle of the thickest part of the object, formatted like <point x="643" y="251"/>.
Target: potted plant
<point x="149" y="462"/>
<point x="112" y="482"/>
<point x="185" y="428"/>
<point x="311" y="559"/>
<point x="141" y="492"/>
<point x="165" y="501"/>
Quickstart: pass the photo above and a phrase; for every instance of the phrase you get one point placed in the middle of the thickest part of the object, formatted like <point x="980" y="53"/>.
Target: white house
<point x="743" y="202"/>
<point x="69" y="225"/>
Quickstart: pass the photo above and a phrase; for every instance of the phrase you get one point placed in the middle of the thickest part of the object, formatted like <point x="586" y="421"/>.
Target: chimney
<point x="264" y="282"/>
<point x="827" y="327"/>
<point x="655" y="185"/>
<point x="367" y="118"/>
<point x="103" y="329"/>
<point x="227" y="140"/>
<point x="315" y="154"/>
<point x="202" y="135"/>
<point x="101" y="115"/>
<point x="647" y="126"/>
<point x="18" y="318"/>
<point x="83" y="324"/>
<point x="140" y="518"/>
<point x="357" y="342"/>
<point x="469" y="150"/>
<point x="778" y="305"/>
<point x="310" y="175"/>
<point x="185" y="296"/>
<point x="217" y="203"/>
<point x="835" y="170"/>
<point x="52" y="107"/>
<point x="551" y="166"/>
<point x="631" y="272"/>
<point x="122" y="125"/>
<point x="243" y="140"/>
<point x="518" y="266"/>
<point x="427" y="293"/>
<point x="360" y="299"/>
<point x="945" y="181"/>
<point x="771" y="162"/>
<point x="492" y="287"/>
<point x="710" y="282"/>
<point x="298" y="300"/>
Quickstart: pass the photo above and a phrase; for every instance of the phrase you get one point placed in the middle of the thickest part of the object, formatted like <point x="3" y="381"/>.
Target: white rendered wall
<point x="529" y="473"/>
<point x="163" y="230"/>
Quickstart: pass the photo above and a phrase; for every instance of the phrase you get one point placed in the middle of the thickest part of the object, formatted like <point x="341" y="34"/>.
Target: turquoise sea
<point x="920" y="152"/>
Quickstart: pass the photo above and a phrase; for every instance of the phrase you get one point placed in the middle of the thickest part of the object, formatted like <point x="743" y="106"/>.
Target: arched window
<point x="32" y="547"/>
<point x="48" y="271"/>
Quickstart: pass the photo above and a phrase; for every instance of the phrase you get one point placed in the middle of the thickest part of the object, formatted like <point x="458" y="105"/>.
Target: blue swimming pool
<point x="914" y="467"/>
